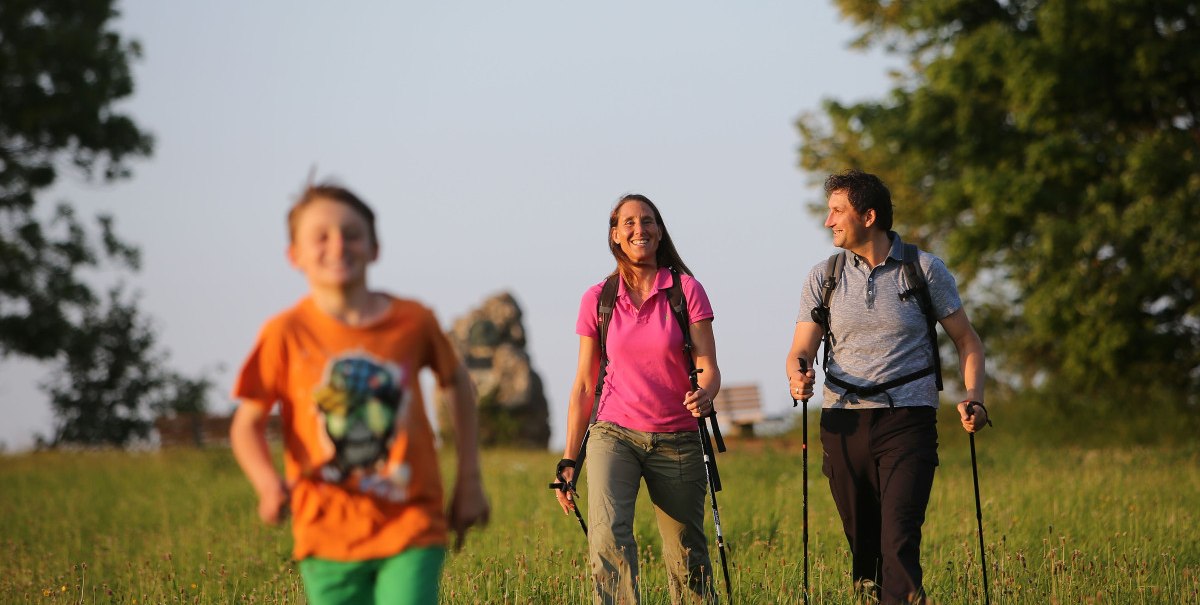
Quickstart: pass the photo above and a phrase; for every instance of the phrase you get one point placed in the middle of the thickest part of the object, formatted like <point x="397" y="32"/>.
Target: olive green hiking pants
<point x="672" y="464"/>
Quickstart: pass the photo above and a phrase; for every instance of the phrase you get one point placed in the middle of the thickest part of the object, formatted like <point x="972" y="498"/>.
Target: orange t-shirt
<point x="359" y="449"/>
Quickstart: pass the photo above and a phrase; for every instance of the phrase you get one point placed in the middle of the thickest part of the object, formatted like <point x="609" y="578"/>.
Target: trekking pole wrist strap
<point x="565" y="463"/>
<point x="971" y="403"/>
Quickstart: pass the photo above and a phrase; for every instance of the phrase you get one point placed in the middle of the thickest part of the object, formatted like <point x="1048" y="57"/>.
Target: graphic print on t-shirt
<point x="363" y="401"/>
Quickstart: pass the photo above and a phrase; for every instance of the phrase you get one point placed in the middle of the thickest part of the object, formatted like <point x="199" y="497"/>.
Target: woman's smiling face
<point x="637" y="232"/>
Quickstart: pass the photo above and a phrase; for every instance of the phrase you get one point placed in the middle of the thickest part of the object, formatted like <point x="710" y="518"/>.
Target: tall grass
<point x="1063" y="524"/>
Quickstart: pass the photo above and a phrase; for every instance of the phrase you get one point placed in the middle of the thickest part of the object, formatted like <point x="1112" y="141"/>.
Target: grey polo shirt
<point x="876" y="336"/>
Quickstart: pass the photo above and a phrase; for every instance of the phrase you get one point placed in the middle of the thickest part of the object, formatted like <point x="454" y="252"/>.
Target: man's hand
<point x="801" y="384"/>
<point x="973" y="415"/>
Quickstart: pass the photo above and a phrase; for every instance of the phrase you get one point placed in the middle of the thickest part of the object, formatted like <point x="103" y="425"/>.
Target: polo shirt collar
<point x="896" y="251"/>
<point x="662" y="281"/>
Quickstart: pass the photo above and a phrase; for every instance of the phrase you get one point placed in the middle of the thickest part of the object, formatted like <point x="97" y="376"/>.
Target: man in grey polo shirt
<point x="879" y="421"/>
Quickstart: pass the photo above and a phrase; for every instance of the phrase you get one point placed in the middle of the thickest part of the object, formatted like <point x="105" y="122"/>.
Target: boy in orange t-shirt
<point x="360" y="460"/>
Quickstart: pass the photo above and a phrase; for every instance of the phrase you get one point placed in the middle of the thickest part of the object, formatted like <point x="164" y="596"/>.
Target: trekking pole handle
<point x="562" y="484"/>
<point x="971" y="410"/>
<point x="694" y="376"/>
<point x="803" y="370"/>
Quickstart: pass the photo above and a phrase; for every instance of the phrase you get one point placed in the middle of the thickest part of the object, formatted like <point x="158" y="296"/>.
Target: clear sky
<point x="493" y="139"/>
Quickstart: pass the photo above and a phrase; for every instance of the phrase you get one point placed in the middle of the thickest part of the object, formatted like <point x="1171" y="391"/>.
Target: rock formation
<point x="512" y="403"/>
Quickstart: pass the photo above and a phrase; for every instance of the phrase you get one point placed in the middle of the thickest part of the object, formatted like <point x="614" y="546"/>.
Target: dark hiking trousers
<point x="880" y="465"/>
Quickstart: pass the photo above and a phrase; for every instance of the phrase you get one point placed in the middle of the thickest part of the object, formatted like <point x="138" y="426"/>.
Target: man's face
<point x="850" y="229"/>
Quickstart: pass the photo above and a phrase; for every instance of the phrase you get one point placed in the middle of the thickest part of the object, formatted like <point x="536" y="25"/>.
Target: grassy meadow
<point x="1062" y="525"/>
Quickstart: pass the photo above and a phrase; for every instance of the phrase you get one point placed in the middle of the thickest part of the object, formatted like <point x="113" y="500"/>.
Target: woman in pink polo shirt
<point x="645" y="425"/>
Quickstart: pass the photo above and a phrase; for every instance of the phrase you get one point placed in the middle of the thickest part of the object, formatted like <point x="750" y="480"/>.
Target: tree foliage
<point x="109" y="366"/>
<point x="1050" y="151"/>
<point x="113" y="377"/>
<point x="63" y="69"/>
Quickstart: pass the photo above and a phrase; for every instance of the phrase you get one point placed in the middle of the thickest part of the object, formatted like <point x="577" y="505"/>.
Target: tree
<point x="1050" y="151"/>
<point x="112" y="378"/>
<point x="62" y="70"/>
<point x="109" y="369"/>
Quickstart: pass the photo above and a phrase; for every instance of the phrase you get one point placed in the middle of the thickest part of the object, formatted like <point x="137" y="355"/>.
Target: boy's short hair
<point x="337" y="193"/>
<point x="866" y="192"/>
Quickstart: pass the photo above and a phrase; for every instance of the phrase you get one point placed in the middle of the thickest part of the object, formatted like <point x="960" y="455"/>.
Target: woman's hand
<point x="698" y="403"/>
<point x="566" y="499"/>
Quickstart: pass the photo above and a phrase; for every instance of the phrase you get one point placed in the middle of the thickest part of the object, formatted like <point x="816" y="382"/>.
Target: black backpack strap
<point x="919" y="287"/>
<point x="871" y="391"/>
<point x="820" y="313"/>
<point x="604" y="311"/>
<point x="833" y="271"/>
<point x="679" y="310"/>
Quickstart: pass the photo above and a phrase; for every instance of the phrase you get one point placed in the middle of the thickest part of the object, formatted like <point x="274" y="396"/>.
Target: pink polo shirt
<point x="647" y="377"/>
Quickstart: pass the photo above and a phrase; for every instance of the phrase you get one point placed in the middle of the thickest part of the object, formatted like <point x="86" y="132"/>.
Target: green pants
<point x="673" y="466"/>
<point x="409" y="578"/>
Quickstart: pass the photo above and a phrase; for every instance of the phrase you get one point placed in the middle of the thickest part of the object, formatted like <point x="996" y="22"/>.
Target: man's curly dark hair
<point x="866" y="192"/>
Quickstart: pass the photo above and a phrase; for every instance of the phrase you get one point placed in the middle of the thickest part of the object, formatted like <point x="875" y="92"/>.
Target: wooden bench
<point x="740" y="406"/>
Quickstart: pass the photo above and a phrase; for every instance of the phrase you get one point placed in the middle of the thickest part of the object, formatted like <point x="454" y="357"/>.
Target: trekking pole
<point x="714" y="486"/>
<point x="978" y="508"/>
<point x="569" y="486"/>
<point x="804" y="463"/>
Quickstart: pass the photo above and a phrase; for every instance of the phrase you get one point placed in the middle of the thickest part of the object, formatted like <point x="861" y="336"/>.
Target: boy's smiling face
<point x="332" y="245"/>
